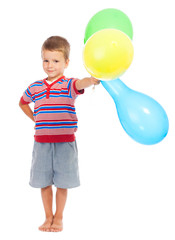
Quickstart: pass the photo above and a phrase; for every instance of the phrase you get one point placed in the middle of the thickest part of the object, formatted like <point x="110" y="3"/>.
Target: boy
<point x="55" y="158"/>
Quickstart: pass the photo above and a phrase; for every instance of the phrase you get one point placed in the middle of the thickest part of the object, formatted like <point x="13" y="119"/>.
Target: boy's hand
<point x="86" y="82"/>
<point x="94" y="80"/>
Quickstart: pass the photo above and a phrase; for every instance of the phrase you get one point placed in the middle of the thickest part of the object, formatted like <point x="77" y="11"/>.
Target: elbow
<point x="20" y="104"/>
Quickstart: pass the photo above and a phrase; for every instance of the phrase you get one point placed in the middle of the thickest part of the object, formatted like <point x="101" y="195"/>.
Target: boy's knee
<point x="62" y="189"/>
<point x="45" y="188"/>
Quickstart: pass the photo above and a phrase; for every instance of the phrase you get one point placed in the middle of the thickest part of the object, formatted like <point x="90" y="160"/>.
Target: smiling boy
<point x="55" y="155"/>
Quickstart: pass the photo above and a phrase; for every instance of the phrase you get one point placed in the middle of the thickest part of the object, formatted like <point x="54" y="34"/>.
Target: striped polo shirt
<point x="54" y="111"/>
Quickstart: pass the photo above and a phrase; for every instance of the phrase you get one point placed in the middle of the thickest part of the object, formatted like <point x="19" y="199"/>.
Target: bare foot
<point x="46" y="225"/>
<point x="57" y="225"/>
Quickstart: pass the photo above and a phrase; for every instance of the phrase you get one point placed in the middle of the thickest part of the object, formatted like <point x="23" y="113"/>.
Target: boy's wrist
<point x="86" y="82"/>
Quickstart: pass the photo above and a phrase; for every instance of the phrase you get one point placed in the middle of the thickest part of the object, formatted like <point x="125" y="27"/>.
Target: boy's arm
<point x="86" y="82"/>
<point x="27" y="110"/>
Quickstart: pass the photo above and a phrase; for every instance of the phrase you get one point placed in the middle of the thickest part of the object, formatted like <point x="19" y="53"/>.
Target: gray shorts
<point x="55" y="163"/>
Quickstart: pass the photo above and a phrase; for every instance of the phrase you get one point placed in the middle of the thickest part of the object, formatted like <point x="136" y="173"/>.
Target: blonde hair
<point x="57" y="43"/>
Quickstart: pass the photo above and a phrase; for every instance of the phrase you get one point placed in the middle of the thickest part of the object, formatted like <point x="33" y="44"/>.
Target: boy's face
<point x="54" y="64"/>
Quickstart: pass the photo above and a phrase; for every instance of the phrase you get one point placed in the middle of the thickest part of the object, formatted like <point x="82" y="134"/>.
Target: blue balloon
<point x="143" y="118"/>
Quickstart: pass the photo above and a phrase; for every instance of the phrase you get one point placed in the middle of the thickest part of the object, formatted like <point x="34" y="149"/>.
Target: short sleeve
<point x="28" y="95"/>
<point x="74" y="90"/>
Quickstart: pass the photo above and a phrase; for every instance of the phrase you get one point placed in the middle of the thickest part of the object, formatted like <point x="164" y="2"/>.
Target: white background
<point x="127" y="189"/>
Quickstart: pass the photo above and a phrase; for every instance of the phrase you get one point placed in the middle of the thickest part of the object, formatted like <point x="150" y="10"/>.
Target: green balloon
<point x="109" y="18"/>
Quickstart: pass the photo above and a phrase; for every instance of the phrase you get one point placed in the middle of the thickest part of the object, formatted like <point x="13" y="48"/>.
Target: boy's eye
<point x="56" y="61"/>
<point x="45" y="61"/>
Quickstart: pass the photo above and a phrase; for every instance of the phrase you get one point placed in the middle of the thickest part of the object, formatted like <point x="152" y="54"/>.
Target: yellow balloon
<point x="107" y="54"/>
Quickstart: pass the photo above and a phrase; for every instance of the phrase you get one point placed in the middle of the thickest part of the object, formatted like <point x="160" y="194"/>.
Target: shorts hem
<point x="56" y="185"/>
<point x="40" y="186"/>
<point x="66" y="187"/>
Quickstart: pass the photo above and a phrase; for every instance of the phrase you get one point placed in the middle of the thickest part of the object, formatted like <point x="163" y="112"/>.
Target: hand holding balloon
<point x="94" y="81"/>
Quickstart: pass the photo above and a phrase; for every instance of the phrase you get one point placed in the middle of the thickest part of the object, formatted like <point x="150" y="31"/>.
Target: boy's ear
<point x="67" y="63"/>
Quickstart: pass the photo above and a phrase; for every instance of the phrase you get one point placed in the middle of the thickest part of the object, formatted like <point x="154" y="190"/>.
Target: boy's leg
<point x="61" y="196"/>
<point x="47" y="198"/>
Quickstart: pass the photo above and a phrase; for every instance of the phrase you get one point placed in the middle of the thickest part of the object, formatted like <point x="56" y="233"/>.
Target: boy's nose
<point x="50" y="64"/>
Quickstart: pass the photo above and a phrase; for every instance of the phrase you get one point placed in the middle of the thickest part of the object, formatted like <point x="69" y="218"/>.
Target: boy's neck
<point x="53" y="79"/>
